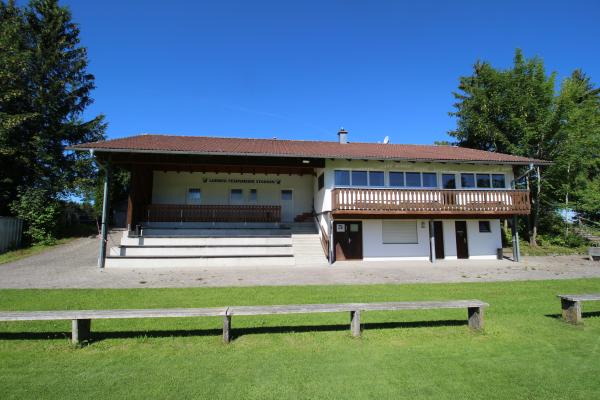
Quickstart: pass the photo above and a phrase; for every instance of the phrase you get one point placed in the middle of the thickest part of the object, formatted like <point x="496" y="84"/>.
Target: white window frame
<point x="397" y="241"/>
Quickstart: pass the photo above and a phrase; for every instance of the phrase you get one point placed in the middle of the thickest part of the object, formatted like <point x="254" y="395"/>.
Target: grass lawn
<point x="526" y="352"/>
<point x="15" y="255"/>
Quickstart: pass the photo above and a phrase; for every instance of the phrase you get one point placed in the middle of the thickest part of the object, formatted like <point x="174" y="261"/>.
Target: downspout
<point x="331" y="245"/>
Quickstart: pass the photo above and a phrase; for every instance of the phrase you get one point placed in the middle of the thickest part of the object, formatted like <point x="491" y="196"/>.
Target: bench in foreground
<point x="81" y="320"/>
<point x="571" y="305"/>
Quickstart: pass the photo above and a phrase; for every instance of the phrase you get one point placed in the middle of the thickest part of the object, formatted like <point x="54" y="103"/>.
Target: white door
<point x="287" y="205"/>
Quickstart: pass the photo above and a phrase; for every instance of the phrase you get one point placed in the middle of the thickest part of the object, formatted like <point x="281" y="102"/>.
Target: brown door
<point x="438" y="232"/>
<point x="462" y="245"/>
<point x="348" y="240"/>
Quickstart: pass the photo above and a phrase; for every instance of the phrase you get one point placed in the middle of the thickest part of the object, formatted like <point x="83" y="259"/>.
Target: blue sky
<point x="302" y="69"/>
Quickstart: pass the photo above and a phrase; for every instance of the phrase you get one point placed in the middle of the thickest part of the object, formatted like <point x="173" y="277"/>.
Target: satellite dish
<point x="386" y="140"/>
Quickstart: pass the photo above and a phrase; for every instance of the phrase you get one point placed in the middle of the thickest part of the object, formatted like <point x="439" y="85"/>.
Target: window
<point x="399" y="232"/>
<point x="236" y="196"/>
<point x="429" y="179"/>
<point x="342" y="178"/>
<point x="321" y="181"/>
<point x="376" y="178"/>
<point x="194" y="196"/>
<point x="467" y="180"/>
<point x="396" y="179"/>
<point x="498" y="181"/>
<point x="448" y="181"/>
<point x="484" y="227"/>
<point x="483" y="181"/>
<point x="413" y="179"/>
<point x="359" y="178"/>
<point x="252" y="195"/>
<point x="287" y="195"/>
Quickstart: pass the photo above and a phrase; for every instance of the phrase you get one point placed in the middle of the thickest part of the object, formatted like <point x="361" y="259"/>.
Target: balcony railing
<point x="430" y="201"/>
<point x="212" y="213"/>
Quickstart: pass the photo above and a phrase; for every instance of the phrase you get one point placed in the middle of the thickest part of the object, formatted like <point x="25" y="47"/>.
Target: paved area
<point x="73" y="265"/>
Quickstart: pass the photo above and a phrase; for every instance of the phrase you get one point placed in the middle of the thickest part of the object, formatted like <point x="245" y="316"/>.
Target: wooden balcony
<point x="212" y="213"/>
<point x="448" y="202"/>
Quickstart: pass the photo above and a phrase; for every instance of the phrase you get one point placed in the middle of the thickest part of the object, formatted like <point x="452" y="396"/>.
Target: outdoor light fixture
<point x="305" y="161"/>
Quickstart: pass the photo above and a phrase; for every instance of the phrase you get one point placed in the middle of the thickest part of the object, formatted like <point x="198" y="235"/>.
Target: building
<point x="225" y="201"/>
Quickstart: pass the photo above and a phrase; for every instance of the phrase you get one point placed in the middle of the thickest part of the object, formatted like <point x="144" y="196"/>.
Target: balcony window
<point x="448" y="181"/>
<point x="483" y="181"/>
<point x="413" y="179"/>
<point x="342" y="178"/>
<point x="194" y="196"/>
<point x="396" y="179"/>
<point x="498" y="181"/>
<point x="359" y="178"/>
<point x="376" y="178"/>
<point x="429" y="179"/>
<point x="467" y="180"/>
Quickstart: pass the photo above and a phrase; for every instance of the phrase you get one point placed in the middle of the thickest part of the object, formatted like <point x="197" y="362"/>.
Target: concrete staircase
<point x="222" y="245"/>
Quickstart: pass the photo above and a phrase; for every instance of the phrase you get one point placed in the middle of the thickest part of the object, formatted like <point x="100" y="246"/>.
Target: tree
<point x="574" y="176"/>
<point x="510" y="111"/>
<point x="44" y="90"/>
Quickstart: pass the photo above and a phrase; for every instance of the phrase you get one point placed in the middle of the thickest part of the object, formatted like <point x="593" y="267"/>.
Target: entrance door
<point x="348" y="240"/>
<point x="287" y="205"/>
<point x="462" y="245"/>
<point x="438" y="232"/>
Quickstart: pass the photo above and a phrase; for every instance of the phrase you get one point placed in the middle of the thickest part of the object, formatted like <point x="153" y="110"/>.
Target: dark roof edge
<point x="514" y="162"/>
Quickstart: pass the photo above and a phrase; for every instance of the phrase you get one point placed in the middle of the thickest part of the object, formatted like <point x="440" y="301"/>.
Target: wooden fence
<point x="11" y="231"/>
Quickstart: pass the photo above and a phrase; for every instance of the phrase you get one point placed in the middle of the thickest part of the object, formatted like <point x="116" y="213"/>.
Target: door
<point x="348" y="240"/>
<point x="438" y="232"/>
<point x="462" y="245"/>
<point x="287" y="205"/>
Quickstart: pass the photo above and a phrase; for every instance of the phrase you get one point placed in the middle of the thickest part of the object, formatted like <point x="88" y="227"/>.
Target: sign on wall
<point x="241" y="180"/>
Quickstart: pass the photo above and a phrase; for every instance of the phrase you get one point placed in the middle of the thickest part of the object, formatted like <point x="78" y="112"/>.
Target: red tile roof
<point x="299" y="148"/>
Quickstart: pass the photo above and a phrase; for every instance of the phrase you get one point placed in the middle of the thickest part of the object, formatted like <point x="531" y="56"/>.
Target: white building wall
<point x="375" y="250"/>
<point x="481" y="245"/>
<point x="171" y="188"/>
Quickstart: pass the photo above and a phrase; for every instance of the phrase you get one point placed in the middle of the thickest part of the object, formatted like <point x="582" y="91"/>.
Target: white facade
<point x="306" y="197"/>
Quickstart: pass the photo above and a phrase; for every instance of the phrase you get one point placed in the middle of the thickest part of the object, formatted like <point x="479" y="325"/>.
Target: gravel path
<point x="73" y="265"/>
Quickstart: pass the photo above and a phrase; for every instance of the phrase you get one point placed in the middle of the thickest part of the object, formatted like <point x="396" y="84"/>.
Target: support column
<point x="355" y="323"/>
<point x="80" y="330"/>
<point x="571" y="311"/>
<point x="432" y="255"/>
<point x="105" y="208"/>
<point x="475" y="318"/>
<point x="515" y="240"/>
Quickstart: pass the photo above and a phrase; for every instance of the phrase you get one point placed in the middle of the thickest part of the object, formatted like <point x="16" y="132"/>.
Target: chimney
<point x="343" y="136"/>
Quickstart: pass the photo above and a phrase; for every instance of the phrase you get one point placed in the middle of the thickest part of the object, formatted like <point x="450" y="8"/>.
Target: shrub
<point x="40" y="211"/>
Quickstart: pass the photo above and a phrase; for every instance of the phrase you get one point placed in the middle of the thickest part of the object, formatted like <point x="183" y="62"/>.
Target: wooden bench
<point x="594" y="253"/>
<point x="571" y="305"/>
<point x="81" y="320"/>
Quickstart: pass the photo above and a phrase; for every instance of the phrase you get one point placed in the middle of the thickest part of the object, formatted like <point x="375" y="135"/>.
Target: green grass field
<point x="526" y="352"/>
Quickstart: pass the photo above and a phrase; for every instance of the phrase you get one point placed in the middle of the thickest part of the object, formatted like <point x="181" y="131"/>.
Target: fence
<point x="11" y="230"/>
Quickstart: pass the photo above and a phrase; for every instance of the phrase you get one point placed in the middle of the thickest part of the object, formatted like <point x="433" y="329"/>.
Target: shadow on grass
<point x="236" y="333"/>
<point x="585" y="314"/>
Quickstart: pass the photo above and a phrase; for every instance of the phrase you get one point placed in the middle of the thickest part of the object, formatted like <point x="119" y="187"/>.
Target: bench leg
<point x="475" y="318"/>
<point x="227" y="328"/>
<point x="571" y="311"/>
<point x="80" y="330"/>
<point x="355" y="323"/>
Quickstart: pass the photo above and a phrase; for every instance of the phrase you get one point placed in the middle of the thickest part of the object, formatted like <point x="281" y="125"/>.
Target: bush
<point x="40" y="211"/>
